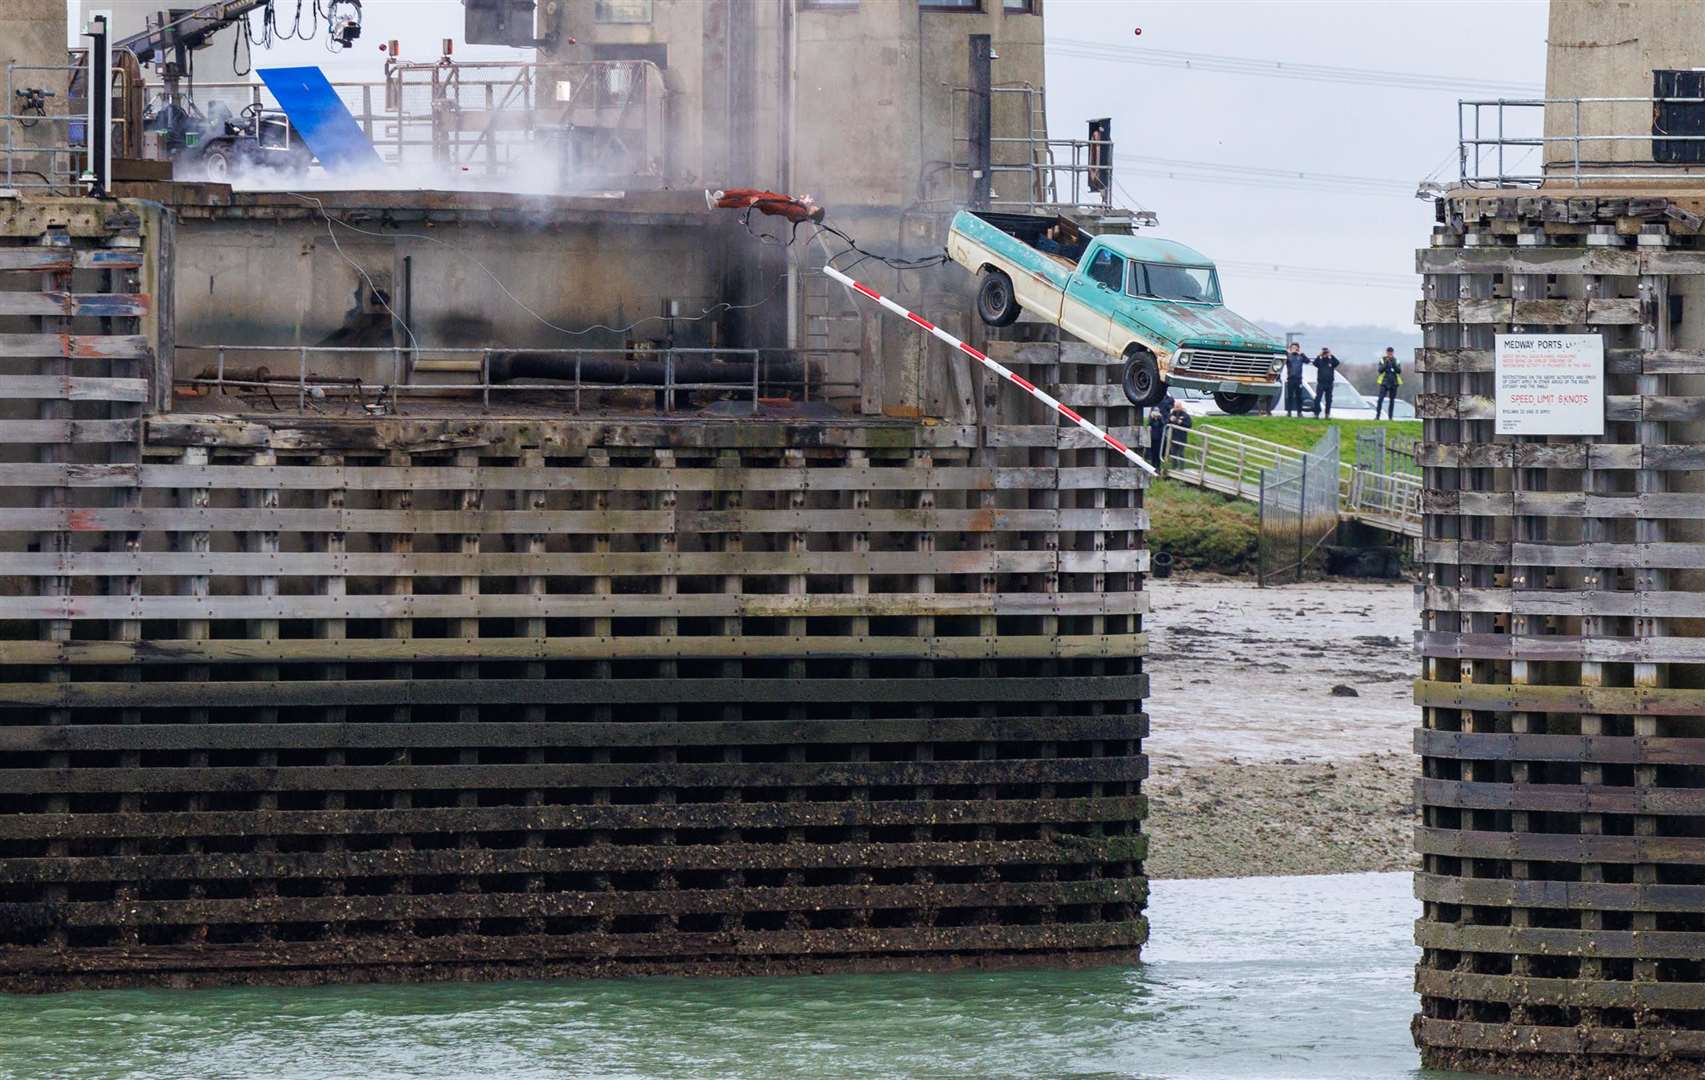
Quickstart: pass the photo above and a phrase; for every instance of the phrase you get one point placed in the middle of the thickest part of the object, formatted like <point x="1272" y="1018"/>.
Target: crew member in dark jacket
<point x="1294" y="361"/>
<point x="1390" y="378"/>
<point x="1325" y="370"/>
<point x="1180" y="438"/>
<point x="1157" y="435"/>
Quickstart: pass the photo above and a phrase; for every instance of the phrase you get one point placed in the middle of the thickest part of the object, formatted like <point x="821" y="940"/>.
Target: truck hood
<point x="1205" y="326"/>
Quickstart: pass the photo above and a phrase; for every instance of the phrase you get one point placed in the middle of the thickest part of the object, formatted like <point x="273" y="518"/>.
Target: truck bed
<point x="1027" y="229"/>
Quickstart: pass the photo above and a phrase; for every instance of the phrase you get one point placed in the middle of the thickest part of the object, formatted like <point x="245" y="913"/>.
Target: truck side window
<point x="1108" y="269"/>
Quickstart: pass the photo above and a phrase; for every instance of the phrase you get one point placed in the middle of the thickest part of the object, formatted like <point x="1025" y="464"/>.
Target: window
<point x="1164" y="281"/>
<point x="1107" y="268"/>
<point x="1019" y="7"/>
<point x="829" y="5"/>
<point x="951" y="5"/>
<point x="621" y="11"/>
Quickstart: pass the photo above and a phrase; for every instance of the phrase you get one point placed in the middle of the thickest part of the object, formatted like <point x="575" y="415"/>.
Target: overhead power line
<point x="1217" y="172"/>
<point x="1323" y="275"/>
<point x="1282" y="69"/>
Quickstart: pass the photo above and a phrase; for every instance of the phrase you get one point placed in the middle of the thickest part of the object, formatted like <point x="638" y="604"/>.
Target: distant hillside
<point x="1361" y="343"/>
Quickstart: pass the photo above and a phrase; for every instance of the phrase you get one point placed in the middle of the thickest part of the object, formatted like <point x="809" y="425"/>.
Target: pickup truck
<point x="1153" y="303"/>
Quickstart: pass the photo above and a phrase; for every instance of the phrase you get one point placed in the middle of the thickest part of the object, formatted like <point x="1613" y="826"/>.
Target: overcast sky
<point x="1354" y="129"/>
<point x="1351" y="129"/>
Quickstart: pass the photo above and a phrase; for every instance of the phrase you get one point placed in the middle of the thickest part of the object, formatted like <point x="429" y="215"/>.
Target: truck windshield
<point x="1164" y="281"/>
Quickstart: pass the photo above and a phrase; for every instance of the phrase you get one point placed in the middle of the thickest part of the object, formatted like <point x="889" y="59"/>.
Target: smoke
<point x="524" y="177"/>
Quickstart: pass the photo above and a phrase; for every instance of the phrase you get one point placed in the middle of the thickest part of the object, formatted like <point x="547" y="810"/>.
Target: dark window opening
<point x="1682" y="123"/>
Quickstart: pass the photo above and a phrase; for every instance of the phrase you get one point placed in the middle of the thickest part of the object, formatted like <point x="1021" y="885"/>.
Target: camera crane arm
<point x="188" y="32"/>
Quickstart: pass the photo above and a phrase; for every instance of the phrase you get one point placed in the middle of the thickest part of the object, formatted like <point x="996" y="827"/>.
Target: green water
<point x="1250" y="978"/>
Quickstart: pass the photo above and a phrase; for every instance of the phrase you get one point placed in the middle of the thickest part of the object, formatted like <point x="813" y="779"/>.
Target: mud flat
<point x="1282" y="722"/>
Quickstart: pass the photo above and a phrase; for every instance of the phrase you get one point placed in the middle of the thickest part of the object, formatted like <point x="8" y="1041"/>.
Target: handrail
<point x="1230" y="462"/>
<point x="406" y="362"/>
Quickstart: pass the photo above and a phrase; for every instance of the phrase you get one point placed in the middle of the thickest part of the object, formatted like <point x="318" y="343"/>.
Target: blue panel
<point x="320" y="118"/>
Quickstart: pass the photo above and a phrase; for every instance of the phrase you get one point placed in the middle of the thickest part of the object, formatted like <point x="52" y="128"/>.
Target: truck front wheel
<point x="1143" y="387"/>
<point x="995" y="301"/>
<point x="1236" y="404"/>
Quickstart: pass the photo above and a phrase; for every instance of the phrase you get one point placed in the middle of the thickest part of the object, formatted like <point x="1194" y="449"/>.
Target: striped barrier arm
<point x="999" y="369"/>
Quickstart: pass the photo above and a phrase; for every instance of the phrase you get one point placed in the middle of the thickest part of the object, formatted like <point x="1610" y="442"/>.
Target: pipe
<point x="620" y="371"/>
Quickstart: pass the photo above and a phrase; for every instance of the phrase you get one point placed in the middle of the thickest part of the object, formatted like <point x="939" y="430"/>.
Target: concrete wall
<point x="260" y="282"/>
<point x="33" y="33"/>
<point x="857" y="104"/>
<point x="1609" y="48"/>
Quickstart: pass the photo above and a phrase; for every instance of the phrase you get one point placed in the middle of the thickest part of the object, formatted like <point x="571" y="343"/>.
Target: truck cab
<point x="1153" y="303"/>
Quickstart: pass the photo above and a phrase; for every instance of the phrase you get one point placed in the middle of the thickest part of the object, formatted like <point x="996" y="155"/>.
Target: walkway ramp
<point x="1230" y="462"/>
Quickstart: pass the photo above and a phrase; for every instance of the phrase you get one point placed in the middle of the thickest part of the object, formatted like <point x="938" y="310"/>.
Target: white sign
<point x="1550" y="384"/>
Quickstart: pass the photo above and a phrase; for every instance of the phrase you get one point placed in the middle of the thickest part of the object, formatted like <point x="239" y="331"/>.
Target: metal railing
<point x="1231" y="463"/>
<point x="310" y="383"/>
<point x="1574" y="138"/>
<point x="599" y="120"/>
<point x="1048" y="172"/>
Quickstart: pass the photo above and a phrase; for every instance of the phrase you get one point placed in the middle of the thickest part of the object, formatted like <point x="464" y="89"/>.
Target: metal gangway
<point x="1230" y="462"/>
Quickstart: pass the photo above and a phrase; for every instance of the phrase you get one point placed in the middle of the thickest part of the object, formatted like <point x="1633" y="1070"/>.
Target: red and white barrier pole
<point x="998" y="368"/>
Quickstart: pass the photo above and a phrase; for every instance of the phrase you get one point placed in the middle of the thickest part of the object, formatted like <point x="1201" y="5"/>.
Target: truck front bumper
<point x="1215" y="385"/>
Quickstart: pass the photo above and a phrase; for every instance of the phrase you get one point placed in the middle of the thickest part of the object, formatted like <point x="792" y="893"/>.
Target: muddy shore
<point x="1281" y="721"/>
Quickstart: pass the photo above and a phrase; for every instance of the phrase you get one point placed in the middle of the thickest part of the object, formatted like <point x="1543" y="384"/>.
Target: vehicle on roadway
<point x="1155" y="304"/>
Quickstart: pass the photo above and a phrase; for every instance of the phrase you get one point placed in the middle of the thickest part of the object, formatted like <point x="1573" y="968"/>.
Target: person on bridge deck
<point x="1294" y="362"/>
<point x="1157" y="435"/>
<point x="1390" y="378"/>
<point x="1181" y="425"/>
<point x="1325" y="369"/>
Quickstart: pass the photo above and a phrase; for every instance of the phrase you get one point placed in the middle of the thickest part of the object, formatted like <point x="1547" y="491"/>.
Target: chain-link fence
<point x="1299" y="511"/>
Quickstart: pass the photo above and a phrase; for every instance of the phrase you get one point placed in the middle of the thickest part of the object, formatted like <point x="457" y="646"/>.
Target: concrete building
<point x="1563" y="784"/>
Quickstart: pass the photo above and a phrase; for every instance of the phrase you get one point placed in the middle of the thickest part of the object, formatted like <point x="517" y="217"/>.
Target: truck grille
<point x="1232" y="364"/>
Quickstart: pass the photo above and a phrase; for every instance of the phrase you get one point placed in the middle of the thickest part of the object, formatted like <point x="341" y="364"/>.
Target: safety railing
<point x="595" y="122"/>
<point x="1528" y="142"/>
<point x="1231" y="463"/>
<point x="44" y="118"/>
<point x="312" y="374"/>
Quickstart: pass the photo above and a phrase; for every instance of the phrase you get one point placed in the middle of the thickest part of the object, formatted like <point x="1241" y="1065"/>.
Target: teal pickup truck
<point x="1153" y="303"/>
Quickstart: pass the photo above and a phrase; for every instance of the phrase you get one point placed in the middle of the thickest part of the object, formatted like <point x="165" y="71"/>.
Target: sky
<point x="1335" y="246"/>
<point x="1330" y="130"/>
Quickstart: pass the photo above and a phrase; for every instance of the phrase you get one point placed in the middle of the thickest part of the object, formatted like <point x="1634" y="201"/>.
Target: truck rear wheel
<point x="1143" y="387"/>
<point x="1236" y="404"/>
<point x="995" y="300"/>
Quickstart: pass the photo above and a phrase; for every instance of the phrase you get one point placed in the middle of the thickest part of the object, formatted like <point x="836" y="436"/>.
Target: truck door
<point x="1086" y="311"/>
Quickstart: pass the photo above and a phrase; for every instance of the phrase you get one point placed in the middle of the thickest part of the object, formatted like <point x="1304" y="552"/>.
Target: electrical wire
<point x="714" y="309"/>
<point x="384" y="301"/>
<point x="1258" y="66"/>
<point x="1369" y="185"/>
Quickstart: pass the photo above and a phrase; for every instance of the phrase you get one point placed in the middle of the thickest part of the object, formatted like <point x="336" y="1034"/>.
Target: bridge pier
<point x="1563" y="726"/>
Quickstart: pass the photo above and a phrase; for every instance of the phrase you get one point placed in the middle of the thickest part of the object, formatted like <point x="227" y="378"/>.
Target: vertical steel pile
<point x="303" y="698"/>
<point x="1563" y="740"/>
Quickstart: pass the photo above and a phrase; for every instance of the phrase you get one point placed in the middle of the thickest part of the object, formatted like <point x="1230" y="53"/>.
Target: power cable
<point x="1370" y="184"/>
<point x="1279" y="69"/>
<point x="1323" y="275"/>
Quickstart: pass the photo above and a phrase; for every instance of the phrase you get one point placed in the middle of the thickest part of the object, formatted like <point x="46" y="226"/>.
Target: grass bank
<point x="1303" y="434"/>
<point x="1201" y="530"/>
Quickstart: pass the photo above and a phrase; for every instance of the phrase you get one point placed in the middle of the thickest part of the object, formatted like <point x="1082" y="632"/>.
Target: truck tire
<point x="1236" y="404"/>
<point x="995" y="301"/>
<point x="1143" y="387"/>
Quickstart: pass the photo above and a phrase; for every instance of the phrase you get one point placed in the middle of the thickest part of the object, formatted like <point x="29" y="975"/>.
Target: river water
<point x="1297" y="977"/>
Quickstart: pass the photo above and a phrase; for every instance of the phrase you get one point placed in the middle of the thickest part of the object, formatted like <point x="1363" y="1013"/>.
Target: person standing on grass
<point x="1325" y="370"/>
<point x="1390" y="378"/>
<point x="1294" y="361"/>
